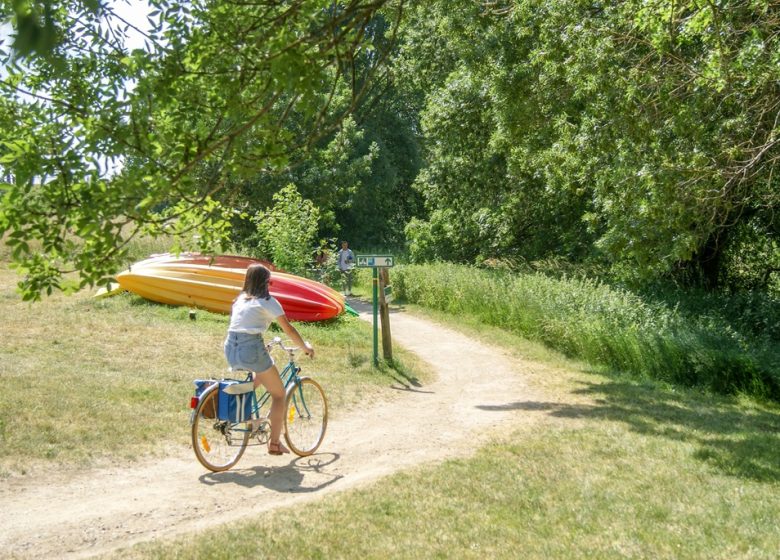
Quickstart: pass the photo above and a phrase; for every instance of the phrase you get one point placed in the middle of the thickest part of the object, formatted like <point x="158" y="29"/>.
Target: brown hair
<point x="256" y="282"/>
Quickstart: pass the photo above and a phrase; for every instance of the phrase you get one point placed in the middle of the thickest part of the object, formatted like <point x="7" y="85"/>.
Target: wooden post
<point x="384" y="314"/>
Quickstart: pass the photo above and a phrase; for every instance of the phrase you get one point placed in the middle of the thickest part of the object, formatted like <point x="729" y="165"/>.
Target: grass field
<point x="611" y="468"/>
<point x="88" y="380"/>
<point x="608" y="467"/>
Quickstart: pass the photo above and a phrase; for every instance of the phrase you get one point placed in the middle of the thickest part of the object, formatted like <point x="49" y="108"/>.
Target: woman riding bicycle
<point x="252" y="313"/>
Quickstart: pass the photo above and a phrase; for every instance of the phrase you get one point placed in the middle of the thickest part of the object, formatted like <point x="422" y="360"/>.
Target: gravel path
<point x="96" y="511"/>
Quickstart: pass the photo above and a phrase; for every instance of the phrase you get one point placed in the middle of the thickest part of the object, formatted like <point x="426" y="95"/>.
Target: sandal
<point x="276" y="448"/>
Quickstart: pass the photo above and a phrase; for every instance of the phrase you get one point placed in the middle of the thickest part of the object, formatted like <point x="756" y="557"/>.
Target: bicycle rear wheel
<point x="218" y="444"/>
<point x="306" y="417"/>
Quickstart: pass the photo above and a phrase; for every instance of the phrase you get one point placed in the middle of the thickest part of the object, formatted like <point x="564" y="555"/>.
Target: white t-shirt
<point x="346" y="258"/>
<point x="254" y="315"/>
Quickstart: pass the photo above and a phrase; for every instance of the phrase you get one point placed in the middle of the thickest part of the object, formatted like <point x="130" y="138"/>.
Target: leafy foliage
<point x="638" y="136"/>
<point x="328" y="175"/>
<point x="287" y="232"/>
<point x="97" y="139"/>
<point x="645" y="133"/>
<point x="359" y="177"/>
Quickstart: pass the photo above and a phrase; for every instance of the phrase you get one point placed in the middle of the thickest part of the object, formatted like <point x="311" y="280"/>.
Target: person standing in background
<point x="345" y="260"/>
<point x="320" y="263"/>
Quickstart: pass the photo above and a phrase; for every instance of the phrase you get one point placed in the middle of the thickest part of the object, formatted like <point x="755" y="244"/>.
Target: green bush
<point x="286" y="233"/>
<point x="695" y="345"/>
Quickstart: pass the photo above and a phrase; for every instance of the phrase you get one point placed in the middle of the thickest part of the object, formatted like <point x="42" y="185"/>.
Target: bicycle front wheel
<point x="218" y="444"/>
<point x="306" y="417"/>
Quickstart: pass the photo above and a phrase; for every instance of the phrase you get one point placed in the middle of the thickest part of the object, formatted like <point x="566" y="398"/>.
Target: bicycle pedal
<point x="257" y="425"/>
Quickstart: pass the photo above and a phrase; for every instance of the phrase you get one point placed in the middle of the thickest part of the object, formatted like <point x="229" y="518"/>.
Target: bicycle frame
<point x="289" y="376"/>
<point x="304" y="421"/>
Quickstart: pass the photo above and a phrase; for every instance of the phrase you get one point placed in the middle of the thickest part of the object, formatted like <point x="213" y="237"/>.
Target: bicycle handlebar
<point x="277" y="341"/>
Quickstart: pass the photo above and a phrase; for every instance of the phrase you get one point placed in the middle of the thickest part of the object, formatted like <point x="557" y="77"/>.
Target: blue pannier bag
<point x="234" y="408"/>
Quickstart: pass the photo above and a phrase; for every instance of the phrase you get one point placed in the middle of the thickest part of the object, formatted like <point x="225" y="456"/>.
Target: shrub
<point x="286" y="233"/>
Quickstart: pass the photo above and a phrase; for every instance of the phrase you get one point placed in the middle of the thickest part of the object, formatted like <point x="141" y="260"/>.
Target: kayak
<point x="229" y="261"/>
<point x="187" y="281"/>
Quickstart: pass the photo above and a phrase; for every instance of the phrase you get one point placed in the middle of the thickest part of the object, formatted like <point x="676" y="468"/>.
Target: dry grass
<point x="87" y="380"/>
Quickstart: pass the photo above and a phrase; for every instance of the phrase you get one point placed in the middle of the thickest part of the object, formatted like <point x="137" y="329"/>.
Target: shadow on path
<point x="287" y="478"/>
<point x="408" y="388"/>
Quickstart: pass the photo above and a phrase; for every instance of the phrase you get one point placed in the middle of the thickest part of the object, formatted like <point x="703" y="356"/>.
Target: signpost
<point x="378" y="262"/>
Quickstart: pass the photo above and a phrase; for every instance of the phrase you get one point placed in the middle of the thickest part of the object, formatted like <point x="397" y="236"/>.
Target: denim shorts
<point x="247" y="352"/>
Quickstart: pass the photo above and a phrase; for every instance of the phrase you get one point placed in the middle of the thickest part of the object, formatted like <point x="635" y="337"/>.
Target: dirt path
<point x="101" y="510"/>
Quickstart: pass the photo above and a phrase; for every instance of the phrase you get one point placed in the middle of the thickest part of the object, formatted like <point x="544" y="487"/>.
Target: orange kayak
<point x="212" y="287"/>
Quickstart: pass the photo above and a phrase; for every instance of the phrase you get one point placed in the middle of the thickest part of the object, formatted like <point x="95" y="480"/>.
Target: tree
<point x="359" y="175"/>
<point x="329" y="175"/>
<point x="653" y="125"/>
<point x="484" y="122"/>
<point x="97" y="139"/>
<point x="287" y="232"/>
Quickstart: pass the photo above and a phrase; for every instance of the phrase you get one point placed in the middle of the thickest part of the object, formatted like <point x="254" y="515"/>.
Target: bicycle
<point x="219" y="443"/>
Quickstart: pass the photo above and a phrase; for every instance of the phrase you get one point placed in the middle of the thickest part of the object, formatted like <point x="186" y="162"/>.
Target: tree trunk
<point x="708" y="259"/>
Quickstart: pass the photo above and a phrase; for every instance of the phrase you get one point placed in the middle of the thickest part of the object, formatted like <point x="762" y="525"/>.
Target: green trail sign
<point x="380" y="286"/>
<point x="373" y="261"/>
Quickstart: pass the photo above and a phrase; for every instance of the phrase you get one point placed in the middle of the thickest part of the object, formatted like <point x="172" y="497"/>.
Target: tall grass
<point x="604" y="325"/>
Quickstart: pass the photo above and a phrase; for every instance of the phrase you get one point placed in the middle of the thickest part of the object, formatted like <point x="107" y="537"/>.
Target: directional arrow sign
<point x="370" y="261"/>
